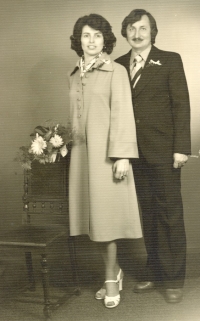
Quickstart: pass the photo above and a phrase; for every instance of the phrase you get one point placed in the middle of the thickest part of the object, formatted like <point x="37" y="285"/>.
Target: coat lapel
<point x="150" y="70"/>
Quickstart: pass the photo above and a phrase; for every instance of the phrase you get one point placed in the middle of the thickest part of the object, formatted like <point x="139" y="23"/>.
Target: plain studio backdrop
<point x="35" y="57"/>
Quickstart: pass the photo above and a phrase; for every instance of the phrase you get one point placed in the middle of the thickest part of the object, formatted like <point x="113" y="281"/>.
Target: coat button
<point x="79" y="115"/>
<point x="137" y="121"/>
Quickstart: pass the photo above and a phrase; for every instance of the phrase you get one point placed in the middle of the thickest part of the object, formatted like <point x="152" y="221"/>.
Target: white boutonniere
<point x="153" y="63"/>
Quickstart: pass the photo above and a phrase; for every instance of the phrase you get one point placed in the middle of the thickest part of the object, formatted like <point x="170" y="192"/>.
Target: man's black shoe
<point x="173" y="295"/>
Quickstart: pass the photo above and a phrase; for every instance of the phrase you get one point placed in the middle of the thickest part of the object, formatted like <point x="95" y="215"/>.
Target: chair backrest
<point x="46" y="193"/>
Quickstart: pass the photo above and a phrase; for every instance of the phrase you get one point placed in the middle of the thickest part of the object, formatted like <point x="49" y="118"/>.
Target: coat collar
<point x="103" y="63"/>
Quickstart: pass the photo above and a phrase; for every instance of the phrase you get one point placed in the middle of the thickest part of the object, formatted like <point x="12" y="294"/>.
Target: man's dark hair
<point x="136" y="15"/>
<point x="96" y="22"/>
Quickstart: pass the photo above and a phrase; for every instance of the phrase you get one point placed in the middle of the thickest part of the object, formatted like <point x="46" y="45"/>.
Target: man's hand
<point x="179" y="160"/>
<point x="121" y="168"/>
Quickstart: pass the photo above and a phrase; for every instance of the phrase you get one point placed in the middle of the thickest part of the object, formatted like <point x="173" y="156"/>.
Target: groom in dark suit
<point x="162" y="113"/>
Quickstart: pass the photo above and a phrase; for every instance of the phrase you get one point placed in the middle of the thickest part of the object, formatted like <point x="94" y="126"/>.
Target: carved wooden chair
<point x="45" y="195"/>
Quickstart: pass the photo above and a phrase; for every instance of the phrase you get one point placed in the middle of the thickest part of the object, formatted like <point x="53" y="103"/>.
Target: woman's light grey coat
<point x="101" y="109"/>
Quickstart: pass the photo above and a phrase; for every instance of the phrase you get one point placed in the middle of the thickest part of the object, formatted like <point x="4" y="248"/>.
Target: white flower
<point x="38" y="145"/>
<point x="64" y="151"/>
<point x="52" y="157"/>
<point x="152" y="62"/>
<point x="56" y="140"/>
<point x="41" y="161"/>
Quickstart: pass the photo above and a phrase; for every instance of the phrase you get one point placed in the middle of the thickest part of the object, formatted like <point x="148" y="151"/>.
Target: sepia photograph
<point x="100" y="160"/>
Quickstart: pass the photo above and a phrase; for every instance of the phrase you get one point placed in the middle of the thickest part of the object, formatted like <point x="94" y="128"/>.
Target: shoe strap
<point x="111" y="281"/>
<point x="112" y="298"/>
<point x="119" y="275"/>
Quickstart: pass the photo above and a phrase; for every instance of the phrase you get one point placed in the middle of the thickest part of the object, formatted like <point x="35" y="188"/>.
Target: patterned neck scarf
<point x="89" y="66"/>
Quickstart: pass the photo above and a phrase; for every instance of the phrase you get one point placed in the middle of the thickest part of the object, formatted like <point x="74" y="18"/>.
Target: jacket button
<point x="137" y="121"/>
<point x="79" y="115"/>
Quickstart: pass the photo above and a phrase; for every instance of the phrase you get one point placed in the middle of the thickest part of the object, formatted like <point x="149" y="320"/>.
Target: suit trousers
<point x="159" y="193"/>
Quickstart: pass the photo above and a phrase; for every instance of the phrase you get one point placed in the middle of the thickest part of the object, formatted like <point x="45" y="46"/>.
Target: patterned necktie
<point x="136" y="70"/>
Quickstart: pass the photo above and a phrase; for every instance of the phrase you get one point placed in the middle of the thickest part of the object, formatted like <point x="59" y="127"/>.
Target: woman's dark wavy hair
<point x="135" y="16"/>
<point x="96" y="22"/>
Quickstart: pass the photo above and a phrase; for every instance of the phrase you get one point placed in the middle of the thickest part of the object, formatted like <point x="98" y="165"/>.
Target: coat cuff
<point x="123" y="150"/>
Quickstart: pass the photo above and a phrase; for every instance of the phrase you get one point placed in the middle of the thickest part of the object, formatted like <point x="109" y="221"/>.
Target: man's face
<point x="139" y="34"/>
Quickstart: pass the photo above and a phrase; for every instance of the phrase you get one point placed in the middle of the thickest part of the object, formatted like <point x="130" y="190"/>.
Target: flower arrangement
<point x="47" y="145"/>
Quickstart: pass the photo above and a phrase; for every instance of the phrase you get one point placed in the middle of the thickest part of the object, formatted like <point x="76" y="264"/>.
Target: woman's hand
<point x="121" y="168"/>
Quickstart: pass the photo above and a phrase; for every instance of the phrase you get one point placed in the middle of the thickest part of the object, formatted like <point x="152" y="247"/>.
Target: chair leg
<point x="72" y="252"/>
<point x="45" y="281"/>
<point x="29" y="265"/>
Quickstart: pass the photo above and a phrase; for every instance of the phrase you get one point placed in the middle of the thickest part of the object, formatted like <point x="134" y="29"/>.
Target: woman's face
<point x="92" y="41"/>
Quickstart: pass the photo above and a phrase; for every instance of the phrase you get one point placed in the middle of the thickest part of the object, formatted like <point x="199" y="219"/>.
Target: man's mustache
<point x="137" y="39"/>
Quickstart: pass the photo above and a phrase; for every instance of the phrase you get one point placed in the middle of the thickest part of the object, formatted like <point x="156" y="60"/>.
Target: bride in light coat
<point x="102" y="197"/>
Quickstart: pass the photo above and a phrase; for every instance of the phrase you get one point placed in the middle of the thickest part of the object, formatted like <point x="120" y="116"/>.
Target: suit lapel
<point x="150" y="70"/>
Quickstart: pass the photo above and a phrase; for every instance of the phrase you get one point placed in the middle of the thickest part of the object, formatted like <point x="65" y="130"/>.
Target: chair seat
<point x="32" y="236"/>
